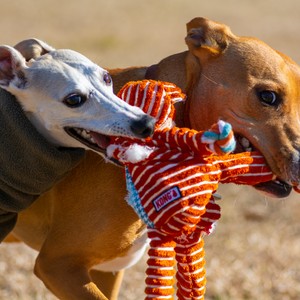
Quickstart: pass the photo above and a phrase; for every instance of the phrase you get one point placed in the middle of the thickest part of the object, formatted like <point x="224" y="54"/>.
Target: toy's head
<point x="155" y="98"/>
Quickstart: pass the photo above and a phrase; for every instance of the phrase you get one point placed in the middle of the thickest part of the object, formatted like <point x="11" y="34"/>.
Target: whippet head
<point x="67" y="97"/>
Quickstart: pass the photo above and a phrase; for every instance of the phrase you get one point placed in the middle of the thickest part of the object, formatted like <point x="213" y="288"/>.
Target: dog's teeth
<point x="245" y="143"/>
<point x="85" y="134"/>
<point x="78" y="130"/>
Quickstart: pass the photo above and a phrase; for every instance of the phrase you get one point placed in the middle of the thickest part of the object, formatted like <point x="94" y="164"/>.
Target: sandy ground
<point x="254" y="253"/>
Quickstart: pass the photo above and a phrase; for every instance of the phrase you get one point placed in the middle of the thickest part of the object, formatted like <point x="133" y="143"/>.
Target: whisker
<point x="209" y="79"/>
<point x="265" y="200"/>
<point x="283" y="201"/>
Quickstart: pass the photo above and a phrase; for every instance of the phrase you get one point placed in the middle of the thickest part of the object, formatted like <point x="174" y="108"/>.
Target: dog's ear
<point x="33" y="48"/>
<point x="12" y="64"/>
<point x="205" y="37"/>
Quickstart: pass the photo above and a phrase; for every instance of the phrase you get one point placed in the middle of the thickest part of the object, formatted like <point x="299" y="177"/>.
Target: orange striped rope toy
<point x="171" y="179"/>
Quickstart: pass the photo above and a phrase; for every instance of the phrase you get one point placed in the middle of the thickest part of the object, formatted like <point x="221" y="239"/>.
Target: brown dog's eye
<point x="107" y="79"/>
<point x="269" y="98"/>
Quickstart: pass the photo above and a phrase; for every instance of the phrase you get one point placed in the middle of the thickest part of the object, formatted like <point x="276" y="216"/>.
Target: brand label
<point x="166" y="197"/>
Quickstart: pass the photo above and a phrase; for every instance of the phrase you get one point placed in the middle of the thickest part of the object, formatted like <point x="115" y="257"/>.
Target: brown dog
<point x="84" y="221"/>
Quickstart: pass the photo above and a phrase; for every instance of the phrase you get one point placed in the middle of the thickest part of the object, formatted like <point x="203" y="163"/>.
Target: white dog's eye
<point x="74" y="100"/>
<point x="107" y="79"/>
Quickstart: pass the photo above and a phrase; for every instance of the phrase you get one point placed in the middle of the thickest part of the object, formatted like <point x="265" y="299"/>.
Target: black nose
<point x="144" y="127"/>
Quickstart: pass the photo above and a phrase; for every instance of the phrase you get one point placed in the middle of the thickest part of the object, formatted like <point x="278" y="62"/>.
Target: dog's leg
<point x="77" y="283"/>
<point x="11" y="239"/>
<point x="74" y="244"/>
<point x="109" y="283"/>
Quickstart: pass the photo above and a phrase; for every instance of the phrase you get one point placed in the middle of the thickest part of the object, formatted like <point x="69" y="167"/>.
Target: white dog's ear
<point x="12" y="64"/>
<point x="33" y="48"/>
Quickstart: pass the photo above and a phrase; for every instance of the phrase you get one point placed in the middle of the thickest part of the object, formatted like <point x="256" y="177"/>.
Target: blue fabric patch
<point x="134" y="199"/>
<point x="226" y="131"/>
<point x="230" y="147"/>
<point x="211" y="135"/>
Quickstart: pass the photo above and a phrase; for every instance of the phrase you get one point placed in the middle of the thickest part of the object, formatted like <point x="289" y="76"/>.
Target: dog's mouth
<point x="93" y="140"/>
<point x="275" y="188"/>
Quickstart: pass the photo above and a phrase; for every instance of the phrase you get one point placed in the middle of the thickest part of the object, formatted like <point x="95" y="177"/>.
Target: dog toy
<point x="171" y="179"/>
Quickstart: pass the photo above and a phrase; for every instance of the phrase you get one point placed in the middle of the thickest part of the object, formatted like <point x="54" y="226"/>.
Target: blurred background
<point x="255" y="251"/>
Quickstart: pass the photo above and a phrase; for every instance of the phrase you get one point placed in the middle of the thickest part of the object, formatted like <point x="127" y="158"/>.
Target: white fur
<point x="134" y="153"/>
<point x="134" y="254"/>
<point x="110" y="150"/>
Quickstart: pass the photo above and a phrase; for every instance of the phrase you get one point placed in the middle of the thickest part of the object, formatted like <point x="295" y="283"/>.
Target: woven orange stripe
<point x="160" y="281"/>
<point x="160" y="272"/>
<point x="159" y="292"/>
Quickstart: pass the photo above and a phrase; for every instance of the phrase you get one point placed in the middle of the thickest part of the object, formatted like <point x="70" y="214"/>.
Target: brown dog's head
<point x="257" y="89"/>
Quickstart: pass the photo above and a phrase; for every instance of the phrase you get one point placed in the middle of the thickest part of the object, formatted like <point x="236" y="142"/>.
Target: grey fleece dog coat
<point x="29" y="164"/>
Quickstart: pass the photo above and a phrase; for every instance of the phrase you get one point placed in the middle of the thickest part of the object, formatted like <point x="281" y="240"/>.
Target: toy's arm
<point x="219" y="139"/>
<point x="183" y="138"/>
<point x="247" y="168"/>
<point x="244" y="168"/>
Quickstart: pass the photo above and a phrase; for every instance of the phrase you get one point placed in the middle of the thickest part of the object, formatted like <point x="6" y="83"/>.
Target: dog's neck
<point x="180" y="119"/>
<point x="173" y="69"/>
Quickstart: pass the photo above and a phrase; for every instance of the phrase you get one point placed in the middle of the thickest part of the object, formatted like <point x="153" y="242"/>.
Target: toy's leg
<point x="161" y="270"/>
<point x="190" y="261"/>
<point x="210" y="217"/>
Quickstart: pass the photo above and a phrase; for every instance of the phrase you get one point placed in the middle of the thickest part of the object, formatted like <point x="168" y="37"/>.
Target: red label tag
<point x="166" y="197"/>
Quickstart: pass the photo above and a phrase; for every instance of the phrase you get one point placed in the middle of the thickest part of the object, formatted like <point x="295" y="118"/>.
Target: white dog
<point x="65" y="95"/>
<point x="70" y="103"/>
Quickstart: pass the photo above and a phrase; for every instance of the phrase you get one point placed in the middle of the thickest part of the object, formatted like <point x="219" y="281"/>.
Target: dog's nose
<point x="144" y="127"/>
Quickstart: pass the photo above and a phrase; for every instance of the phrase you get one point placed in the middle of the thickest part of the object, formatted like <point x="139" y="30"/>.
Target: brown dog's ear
<point x="33" y="48"/>
<point x="205" y="36"/>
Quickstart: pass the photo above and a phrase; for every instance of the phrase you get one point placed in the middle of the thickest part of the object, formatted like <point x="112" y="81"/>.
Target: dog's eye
<point x="269" y="98"/>
<point x="74" y="100"/>
<point x="107" y="79"/>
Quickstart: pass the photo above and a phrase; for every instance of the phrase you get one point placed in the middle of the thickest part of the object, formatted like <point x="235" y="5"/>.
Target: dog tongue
<point x="101" y="140"/>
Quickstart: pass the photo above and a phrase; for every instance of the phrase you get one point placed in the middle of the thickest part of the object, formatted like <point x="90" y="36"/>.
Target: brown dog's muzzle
<point x="275" y="188"/>
<point x="281" y="187"/>
<point x="285" y="165"/>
